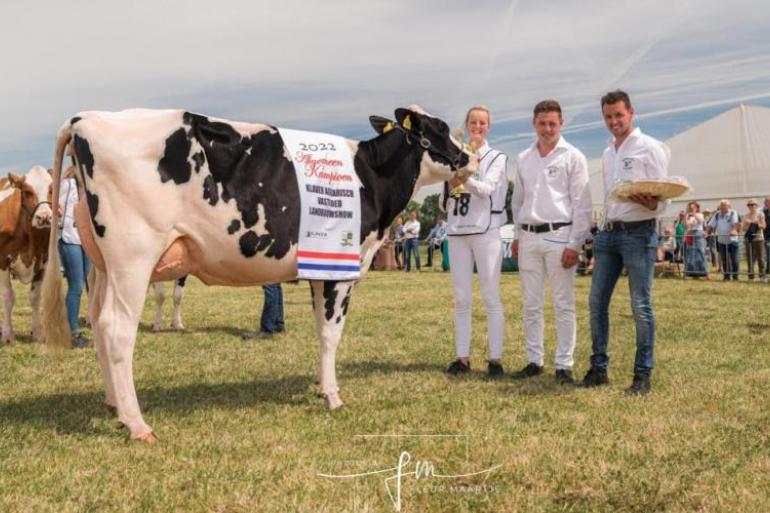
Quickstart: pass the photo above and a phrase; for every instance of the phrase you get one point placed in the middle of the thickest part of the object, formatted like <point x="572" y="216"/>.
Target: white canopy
<point x="727" y="156"/>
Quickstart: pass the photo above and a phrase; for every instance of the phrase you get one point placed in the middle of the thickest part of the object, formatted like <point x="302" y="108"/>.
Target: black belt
<point x="541" y="228"/>
<point x="614" y="226"/>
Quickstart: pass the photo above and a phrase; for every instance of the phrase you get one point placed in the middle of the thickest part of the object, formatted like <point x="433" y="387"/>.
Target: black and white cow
<point x="169" y="192"/>
<point x="160" y="298"/>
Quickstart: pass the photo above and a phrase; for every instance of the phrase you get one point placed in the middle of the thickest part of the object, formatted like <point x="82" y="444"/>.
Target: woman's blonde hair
<point x="482" y="108"/>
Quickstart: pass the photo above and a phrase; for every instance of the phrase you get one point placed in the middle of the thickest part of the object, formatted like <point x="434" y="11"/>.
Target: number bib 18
<point x="468" y="214"/>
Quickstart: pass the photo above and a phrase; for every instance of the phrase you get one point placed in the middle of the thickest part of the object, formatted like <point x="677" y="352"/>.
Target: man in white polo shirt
<point x="627" y="239"/>
<point x="551" y="206"/>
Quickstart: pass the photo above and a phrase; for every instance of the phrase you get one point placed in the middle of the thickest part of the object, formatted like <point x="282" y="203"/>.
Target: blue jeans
<point x="272" y="309"/>
<point x="76" y="266"/>
<point x="635" y="250"/>
<point x="412" y="245"/>
<point x="728" y="254"/>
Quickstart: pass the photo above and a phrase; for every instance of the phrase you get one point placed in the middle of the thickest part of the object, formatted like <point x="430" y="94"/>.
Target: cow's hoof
<point x="333" y="401"/>
<point x="148" y="438"/>
<point x="178" y="327"/>
<point x="156" y="328"/>
<point x="113" y="410"/>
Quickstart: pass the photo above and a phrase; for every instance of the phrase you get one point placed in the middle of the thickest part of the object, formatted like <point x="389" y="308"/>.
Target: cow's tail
<point x="55" y="326"/>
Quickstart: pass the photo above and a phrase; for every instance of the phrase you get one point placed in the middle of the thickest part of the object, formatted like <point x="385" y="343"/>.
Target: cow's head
<point x="442" y="153"/>
<point x="35" y="189"/>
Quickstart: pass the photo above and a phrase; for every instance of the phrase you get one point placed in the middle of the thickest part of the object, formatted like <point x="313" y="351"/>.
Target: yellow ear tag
<point x="407" y="123"/>
<point x="387" y="128"/>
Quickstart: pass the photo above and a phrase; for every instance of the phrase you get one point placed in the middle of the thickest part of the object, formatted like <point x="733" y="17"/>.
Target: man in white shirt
<point x="412" y="240"/>
<point x="627" y="239"/>
<point x="551" y="207"/>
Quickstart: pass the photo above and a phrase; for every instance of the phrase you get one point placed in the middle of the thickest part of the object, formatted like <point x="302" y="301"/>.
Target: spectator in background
<point x="695" y="243"/>
<point x="766" y="213"/>
<point x="711" y="241"/>
<point x="271" y="321"/>
<point x="753" y="227"/>
<point x="726" y="225"/>
<point x="436" y="238"/>
<point x="397" y="237"/>
<point x="666" y="247"/>
<point x="73" y="258"/>
<point x="680" y="227"/>
<point x="412" y="241"/>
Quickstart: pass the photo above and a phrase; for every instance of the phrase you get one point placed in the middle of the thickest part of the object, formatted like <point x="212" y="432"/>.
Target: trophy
<point x="471" y="148"/>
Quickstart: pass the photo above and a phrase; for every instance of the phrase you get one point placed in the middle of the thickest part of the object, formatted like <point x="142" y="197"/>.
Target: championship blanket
<point x="330" y="220"/>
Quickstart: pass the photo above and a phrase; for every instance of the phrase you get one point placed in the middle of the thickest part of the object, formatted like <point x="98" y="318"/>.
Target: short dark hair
<point x="616" y="96"/>
<point x="546" y="106"/>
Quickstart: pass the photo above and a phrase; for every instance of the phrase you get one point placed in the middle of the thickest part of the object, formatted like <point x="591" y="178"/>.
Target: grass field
<point x="242" y="430"/>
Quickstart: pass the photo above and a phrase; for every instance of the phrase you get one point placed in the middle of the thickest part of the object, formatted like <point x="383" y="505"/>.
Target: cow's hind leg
<point x="8" y="300"/>
<point x="96" y="300"/>
<point x="160" y="298"/>
<point x="176" y="321"/>
<point x="330" y="305"/>
<point x="116" y="328"/>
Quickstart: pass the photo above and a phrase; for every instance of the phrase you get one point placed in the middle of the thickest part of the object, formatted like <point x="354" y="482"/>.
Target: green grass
<point x="242" y="430"/>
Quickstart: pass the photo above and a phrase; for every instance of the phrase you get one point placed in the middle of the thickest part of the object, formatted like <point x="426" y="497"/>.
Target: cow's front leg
<point x="176" y="321"/>
<point x="160" y="298"/>
<point x="8" y="300"/>
<point x="330" y="305"/>
<point x="34" y="300"/>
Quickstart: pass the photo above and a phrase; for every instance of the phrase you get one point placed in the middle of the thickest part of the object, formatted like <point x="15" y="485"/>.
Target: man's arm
<point x="517" y="200"/>
<point x="656" y="166"/>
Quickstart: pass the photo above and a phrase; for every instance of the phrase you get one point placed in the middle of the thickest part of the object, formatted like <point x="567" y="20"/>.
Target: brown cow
<point x="25" y="225"/>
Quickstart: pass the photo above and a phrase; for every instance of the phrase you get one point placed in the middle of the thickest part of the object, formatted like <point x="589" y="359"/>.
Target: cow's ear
<point x="408" y="119"/>
<point x="15" y="180"/>
<point x="381" y="125"/>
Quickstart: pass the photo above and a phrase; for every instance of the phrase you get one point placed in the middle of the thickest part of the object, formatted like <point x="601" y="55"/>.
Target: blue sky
<point x="329" y="65"/>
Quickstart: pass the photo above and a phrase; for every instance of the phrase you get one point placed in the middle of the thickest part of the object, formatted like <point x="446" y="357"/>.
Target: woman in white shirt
<point x="74" y="260"/>
<point x="474" y="217"/>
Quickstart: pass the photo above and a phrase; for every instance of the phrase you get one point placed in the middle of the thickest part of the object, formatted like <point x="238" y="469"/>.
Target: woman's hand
<point x="457" y="180"/>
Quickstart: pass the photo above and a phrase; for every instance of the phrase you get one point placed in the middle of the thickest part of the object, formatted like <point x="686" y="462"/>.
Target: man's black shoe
<point x="529" y="371"/>
<point x="594" y="378"/>
<point x="458" y="367"/>
<point x="564" y="377"/>
<point x="640" y="386"/>
<point x="494" y="369"/>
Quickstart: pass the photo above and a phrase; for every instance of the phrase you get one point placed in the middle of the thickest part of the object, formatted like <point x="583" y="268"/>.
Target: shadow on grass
<point x="385" y="367"/>
<point x="757" y="328"/>
<point x="73" y="413"/>
<point x="146" y="327"/>
<point x="19" y="338"/>
<point x="540" y="385"/>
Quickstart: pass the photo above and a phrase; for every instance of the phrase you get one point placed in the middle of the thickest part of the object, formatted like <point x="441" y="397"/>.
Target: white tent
<point x="727" y="156"/>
